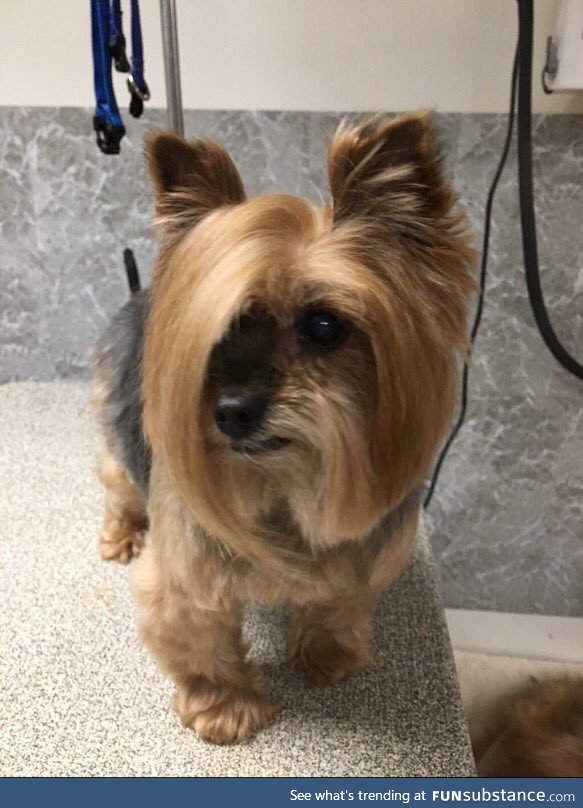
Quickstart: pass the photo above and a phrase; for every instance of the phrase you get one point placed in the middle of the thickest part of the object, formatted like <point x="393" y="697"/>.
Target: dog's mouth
<point x="259" y="447"/>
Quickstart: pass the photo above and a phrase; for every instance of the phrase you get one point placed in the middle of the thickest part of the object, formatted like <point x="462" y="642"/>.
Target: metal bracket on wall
<point x="172" y="66"/>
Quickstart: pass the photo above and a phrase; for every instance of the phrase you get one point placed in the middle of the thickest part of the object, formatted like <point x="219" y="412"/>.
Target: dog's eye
<point x="323" y="328"/>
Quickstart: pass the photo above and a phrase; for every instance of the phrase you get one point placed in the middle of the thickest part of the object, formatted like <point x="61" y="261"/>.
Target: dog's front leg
<point x="199" y="645"/>
<point x="331" y="641"/>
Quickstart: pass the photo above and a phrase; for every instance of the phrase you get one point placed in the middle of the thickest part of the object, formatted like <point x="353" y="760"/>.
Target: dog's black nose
<point x="238" y="415"/>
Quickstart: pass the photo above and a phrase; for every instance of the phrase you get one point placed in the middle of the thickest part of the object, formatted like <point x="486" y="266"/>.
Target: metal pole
<point x="171" y="66"/>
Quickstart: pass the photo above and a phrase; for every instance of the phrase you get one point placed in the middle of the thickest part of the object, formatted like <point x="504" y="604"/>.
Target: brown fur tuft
<point x="542" y="735"/>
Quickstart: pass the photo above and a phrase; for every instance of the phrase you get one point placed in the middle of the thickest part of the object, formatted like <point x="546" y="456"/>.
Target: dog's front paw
<point x="120" y="543"/>
<point x="324" y="660"/>
<point x="237" y="716"/>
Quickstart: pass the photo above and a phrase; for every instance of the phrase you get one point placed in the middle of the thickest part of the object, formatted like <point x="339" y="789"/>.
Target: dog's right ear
<point x="190" y="179"/>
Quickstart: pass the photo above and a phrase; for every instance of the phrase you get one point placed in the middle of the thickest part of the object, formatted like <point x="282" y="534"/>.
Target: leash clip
<point x="108" y="136"/>
<point x="143" y="95"/>
<point x="117" y="46"/>
<point x="137" y="97"/>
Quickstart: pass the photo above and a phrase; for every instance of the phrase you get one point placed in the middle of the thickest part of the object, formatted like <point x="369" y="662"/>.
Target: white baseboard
<point x="517" y="635"/>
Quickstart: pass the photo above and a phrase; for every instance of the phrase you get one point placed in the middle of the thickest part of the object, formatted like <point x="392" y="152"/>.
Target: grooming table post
<point x="171" y="66"/>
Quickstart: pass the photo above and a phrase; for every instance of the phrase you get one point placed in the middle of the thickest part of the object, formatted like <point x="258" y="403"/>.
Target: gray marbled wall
<point x="507" y="517"/>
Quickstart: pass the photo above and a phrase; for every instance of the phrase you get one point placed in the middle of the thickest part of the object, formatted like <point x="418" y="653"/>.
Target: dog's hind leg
<point x="126" y="520"/>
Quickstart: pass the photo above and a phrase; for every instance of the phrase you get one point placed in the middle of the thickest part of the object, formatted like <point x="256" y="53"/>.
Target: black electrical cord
<point x="521" y="79"/>
<point x="525" y="185"/>
<point x="483" y="273"/>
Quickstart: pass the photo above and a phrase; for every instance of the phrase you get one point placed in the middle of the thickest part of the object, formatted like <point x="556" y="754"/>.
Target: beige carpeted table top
<point x="79" y="696"/>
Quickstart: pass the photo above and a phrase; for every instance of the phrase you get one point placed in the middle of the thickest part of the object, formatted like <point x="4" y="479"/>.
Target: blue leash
<point x="137" y="86"/>
<point x="109" y="43"/>
<point x="117" y="41"/>
<point x="107" y="121"/>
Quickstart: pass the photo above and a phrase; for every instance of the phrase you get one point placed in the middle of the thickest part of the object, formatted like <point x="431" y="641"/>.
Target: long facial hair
<point x="388" y="255"/>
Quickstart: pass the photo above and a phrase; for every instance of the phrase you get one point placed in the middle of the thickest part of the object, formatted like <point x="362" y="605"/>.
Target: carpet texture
<point x="80" y="696"/>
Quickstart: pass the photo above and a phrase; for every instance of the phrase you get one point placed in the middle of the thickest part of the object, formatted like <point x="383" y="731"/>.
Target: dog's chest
<point x="339" y="572"/>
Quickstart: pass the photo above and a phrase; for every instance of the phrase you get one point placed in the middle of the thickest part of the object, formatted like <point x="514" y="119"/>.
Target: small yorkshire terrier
<point x="271" y="406"/>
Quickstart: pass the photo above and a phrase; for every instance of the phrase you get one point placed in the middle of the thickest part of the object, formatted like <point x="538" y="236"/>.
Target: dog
<point x="271" y="405"/>
<point x="539" y="733"/>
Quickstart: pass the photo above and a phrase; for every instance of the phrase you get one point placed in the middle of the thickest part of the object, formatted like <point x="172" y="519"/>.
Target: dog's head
<point x="304" y="354"/>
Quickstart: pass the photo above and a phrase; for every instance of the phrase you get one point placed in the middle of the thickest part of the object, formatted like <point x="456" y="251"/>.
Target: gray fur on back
<point x="118" y="368"/>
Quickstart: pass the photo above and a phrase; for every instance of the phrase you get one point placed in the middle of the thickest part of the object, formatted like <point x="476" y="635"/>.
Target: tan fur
<point x="539" y="735"/>
<point x="301" y="527"/>
<point x="125" y="521"/>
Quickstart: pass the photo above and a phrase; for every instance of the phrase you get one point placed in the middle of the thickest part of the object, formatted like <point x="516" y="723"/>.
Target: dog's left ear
<point x="190" y="179"/>
<point x="387" y="169"/>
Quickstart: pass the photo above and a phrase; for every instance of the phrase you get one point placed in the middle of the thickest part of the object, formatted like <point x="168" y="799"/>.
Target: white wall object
<point x="568" y="48"/>
<point x="452" y="55"/>
<point x="534" y="636"/>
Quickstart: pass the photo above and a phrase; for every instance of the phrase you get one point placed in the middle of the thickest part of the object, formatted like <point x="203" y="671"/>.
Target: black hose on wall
<point x="521" y="76"/>
<point x="525" y="184"/>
